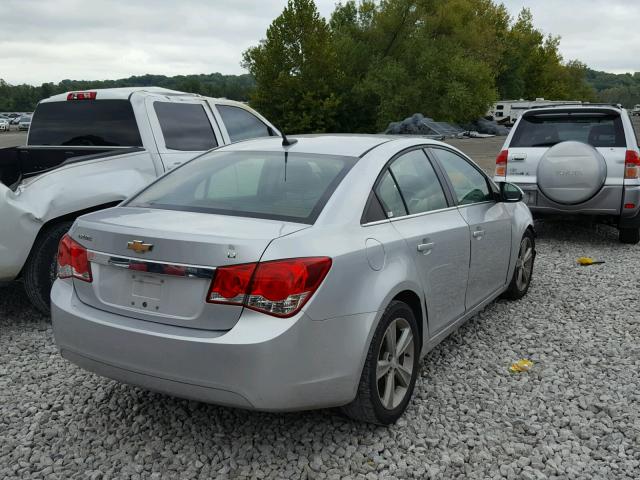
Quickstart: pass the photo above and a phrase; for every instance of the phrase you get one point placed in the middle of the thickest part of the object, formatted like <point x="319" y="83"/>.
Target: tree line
<point x="373" y="62"/>
<point x="21" y="98"/>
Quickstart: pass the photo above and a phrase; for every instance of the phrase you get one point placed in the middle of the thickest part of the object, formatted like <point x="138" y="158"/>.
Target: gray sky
<point x="45" y="40"/>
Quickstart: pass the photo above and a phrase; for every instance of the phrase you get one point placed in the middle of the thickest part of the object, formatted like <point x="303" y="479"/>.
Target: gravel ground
<point x="574" y="415"/>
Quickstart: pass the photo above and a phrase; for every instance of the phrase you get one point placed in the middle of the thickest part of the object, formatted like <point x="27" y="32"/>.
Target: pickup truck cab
<point x="87" y="151"/>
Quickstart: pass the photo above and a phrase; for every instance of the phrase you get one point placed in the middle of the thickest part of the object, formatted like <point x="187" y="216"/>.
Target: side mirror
<point x="510" y="193"/>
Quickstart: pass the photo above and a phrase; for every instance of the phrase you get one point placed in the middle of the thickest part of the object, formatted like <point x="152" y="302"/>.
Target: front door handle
<point x="425" y="248"/>
<point x="478" y="234"/>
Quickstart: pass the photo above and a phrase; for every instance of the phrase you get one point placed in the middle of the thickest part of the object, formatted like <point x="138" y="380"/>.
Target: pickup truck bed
<point x="17" y="163"/>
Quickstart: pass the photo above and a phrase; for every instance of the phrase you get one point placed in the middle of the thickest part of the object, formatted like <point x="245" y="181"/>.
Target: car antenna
<point x="286" y="143"/>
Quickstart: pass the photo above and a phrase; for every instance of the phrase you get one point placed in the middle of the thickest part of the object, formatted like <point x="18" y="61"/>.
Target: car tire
<point x="41" y="268"/>
<point x="380" y="399"/>
<point x="523" y="271"/>
<point x="629" y="235"/>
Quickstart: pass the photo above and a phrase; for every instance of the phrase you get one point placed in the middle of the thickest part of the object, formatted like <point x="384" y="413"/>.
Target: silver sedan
<point x="288" y="275"/>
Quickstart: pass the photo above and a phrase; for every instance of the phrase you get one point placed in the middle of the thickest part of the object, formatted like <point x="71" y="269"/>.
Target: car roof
<point x="123" y="93"/>
<point x="350" y="145"/>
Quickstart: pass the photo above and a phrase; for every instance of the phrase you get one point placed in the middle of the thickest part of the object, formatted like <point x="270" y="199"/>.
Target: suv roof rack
<point x="585" y="104"/>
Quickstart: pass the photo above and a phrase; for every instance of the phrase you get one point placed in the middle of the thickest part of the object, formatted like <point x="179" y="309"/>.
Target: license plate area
<point x="150" y="289"/>
<point x="146" y="292"/>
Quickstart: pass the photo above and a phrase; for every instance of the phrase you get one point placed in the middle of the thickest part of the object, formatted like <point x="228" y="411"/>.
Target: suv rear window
<point x="101" y="123"/>
<point x="545" y="130"/>
<point x="250" y="184"/>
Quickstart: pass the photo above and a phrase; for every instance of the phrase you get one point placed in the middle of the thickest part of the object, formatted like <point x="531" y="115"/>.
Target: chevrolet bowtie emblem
<point x="139" y="246"/>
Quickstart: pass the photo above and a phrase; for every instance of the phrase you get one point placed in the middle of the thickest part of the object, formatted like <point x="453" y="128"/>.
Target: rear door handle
<point x="425" y="248"/>
<point x="478" y="234"/>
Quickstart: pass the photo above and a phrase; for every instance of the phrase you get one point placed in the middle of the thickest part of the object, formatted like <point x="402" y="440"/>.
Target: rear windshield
<point x="597" y="130"/>
<point x="250" y="184"/>
<point x="102" y="123"/>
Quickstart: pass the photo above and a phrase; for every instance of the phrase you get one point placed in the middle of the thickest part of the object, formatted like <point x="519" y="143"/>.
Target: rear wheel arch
<point x="39" y="270"/>
<point x="68" y="217"/>
<point x="412" y="299"/>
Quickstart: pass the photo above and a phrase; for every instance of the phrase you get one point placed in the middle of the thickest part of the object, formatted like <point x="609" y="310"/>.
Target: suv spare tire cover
<point x="571" y="172"/>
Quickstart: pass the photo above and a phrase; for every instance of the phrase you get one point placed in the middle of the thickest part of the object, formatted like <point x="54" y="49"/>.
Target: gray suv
<point x="579" y="159"/>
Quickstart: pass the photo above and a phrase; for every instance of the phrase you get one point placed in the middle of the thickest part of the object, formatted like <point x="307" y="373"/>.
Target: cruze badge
<point x="139" y="246"/>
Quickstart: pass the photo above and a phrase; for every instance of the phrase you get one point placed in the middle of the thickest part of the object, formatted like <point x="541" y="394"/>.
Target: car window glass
<point x="389" y="195"/>
<point x="469" y="185"/>
<point x="545" y="130"/>
<point x="100" y="123"/>
<point x="250" y="184"/>
<point x="418" y="182"/>
<point x="373" y="211"/>
<point x="241" y="124"/>
<point x="185" y="126"/>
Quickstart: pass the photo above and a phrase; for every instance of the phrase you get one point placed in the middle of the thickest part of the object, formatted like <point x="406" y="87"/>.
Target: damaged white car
<point x="90" y="150"/>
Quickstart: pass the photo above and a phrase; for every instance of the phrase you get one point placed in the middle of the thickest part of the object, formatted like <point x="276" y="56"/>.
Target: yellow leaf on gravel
<point x="522" y="365"/>
<point x="588" y="261"/>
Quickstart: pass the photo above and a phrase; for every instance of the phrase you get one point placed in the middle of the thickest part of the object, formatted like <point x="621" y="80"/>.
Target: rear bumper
<point x="263" y="362"/>
<point x="607" y="201"/>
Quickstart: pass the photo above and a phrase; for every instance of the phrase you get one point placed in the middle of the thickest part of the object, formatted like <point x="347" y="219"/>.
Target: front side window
<point x="241" y="124"/>
<point x="185" y="126"/>
<point x="469" y="185"/>
<point x="419" y="185"/>
<point x="250" y="184"/>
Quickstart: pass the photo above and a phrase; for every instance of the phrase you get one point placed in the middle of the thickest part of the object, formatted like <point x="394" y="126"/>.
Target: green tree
<point x="296" y="71"/>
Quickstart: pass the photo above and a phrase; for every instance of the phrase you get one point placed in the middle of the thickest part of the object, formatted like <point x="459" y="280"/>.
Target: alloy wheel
<point x="524" y="263"/>
<point x="394" y="369"/>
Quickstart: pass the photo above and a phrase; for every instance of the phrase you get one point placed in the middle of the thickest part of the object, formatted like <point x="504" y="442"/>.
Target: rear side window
<point x="241" y="124"/>
<point x="185" y="126"/>
<point x="419" y="185"/>
<point x="250" y="184"/>
<point x="469" y="185"/>
<point x="546" y="130"/>
<point x="101" y="123"/>
<point x="389" y="195"/>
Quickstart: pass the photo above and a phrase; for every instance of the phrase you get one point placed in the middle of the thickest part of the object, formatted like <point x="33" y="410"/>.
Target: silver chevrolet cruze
<point x="289" y="275"/>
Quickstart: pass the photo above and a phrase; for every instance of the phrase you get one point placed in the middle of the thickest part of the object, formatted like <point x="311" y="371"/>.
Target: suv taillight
<point x="501" y="163"/>
<point x="632" y="165"/>
<point x="73" y="260"/>
<point x="279" y="287"/>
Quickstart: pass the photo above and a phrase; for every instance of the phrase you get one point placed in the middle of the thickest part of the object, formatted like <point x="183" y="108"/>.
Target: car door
<point x="489" y="224"/>
<point x="182" y="127"/>
<point x="435" y="233"/>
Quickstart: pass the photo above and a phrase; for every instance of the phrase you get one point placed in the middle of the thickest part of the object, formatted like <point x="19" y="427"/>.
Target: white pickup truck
<point x="88" y="151"/>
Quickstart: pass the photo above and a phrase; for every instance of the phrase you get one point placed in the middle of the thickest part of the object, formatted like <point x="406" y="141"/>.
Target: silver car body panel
<point x="313" y="359"/>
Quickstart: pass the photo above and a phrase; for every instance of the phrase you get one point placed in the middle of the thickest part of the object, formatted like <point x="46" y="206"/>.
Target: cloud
<point x="46" y="41"/>
<point x="602" y="34"/>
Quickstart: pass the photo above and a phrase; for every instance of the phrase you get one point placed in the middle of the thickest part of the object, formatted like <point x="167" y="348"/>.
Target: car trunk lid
<point x="157" y="265"/>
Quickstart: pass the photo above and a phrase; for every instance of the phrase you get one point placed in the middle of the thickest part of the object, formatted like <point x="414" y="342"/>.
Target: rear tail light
<point x="82" y="95"/>
<point x="501" y="163"/>
<point x="279" y="288"/>
<point x="632" y="165"/>
<point x="73" y="260"/>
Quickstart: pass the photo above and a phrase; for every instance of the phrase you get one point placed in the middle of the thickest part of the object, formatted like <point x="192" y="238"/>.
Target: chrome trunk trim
<point x="152" y="266"/>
